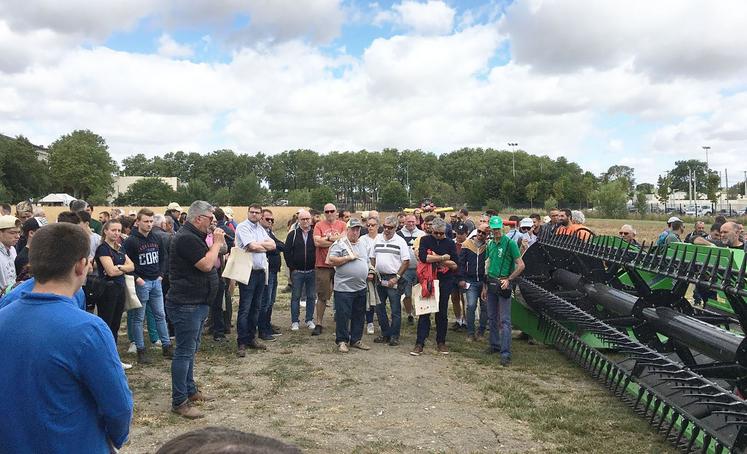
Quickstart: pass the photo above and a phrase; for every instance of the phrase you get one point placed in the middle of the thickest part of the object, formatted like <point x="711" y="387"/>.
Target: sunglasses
<point x="439" y="233"/>
<point x="624" y="233"/>
<point x="484" y="232"/>
<point x="388" y="227"/>
<point x="329" y="211"/>
<point x="270" y="220"/>
<point x="526" y="229"/>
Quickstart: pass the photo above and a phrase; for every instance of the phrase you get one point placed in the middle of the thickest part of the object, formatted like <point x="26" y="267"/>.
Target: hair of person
<point x="78" y="205"/>
<point x="223" y="440"/>
<point x="578" y="217"/>
<point x="464" y="211"/>
<point x="199" y="208"/>
<point x="106" y="213"/>
<point x="168" y="220"/>
<point x="69" y="217"/>
<point x="27" y="227"/>
<point x="220" y="215"/>
<point x="677" y="225"/>
<point x="438" y="224"/>
<point x="57" y="247"/>
<point x="720" y="219"/>
<point x="6" y="207"/>
<point x="84" y="216"/>
<point x="373" y="219"/>
<point x="716" y="227"/>
<point x="144" y="212"/>
<point x="158" y="219"/>
<point x="391" y="220"/>
<point x="256" y="206"/>
<point x="125" y="221"/>
<point x="567" y="212"/>
<point x="314" y="212"/>
<point x="90" y="205"/>
<point x="628" y="227"/>
<point x="266" y="210"/>
<point x="535" y="216"/>
<point x="514" y="218"/>
<point x="108" y="224"/>
<point x="491" y="212"/>
<point x="430" y="218"/>
<point x="699" y="222"/>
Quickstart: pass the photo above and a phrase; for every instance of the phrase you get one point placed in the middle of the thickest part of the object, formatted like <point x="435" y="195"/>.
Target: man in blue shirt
<point x="65" y="389"/>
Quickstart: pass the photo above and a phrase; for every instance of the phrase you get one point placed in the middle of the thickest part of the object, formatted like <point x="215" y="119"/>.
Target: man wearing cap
<point x="10" y="232"/>
<point x="350" y="259"/>
<point x="528" y="237"/>
<point x="391" y="258"/>
<point x="326" y="232"/>
<point x="174" y="210"/>
<point x="663" y="235"/>
<point x="504" y="265"/>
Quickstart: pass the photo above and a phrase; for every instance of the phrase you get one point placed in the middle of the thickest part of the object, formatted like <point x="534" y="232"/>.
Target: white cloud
<point x="167" y="47"/>
<point x="433" y="17"/>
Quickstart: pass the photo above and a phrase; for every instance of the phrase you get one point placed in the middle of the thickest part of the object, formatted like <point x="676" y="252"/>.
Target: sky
<point x="601" y="82"/>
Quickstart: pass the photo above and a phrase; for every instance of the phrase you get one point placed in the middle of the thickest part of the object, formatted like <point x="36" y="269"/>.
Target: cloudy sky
<point x="640" y="83"/>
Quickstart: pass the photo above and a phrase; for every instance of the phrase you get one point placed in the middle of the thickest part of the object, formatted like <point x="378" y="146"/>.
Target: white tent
<point x="57" y="200"/>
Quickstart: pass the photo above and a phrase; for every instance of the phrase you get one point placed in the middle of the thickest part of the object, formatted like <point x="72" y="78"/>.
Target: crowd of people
<point x="165" y="271"/>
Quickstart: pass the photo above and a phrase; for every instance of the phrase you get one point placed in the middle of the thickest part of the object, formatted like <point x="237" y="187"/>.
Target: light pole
<point x="706" y="148"/>
<point x="513" y="146"/>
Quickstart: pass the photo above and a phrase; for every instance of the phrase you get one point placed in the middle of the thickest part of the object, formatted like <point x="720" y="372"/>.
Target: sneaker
<point x="241" y="352"/>
<point x="370" y="328"/>
<point x="417" y="351"/>
<point x="187" y="410"/>
<point x="142" y="358"/>
<point x="317" y="330"/>
<point x="133" y="348"/>
<point x="361" y="346"/>
<point x="125" y="366"/>
<point x="168" y="351"/>
<point x="343" y="347"/>
<point x="254" y="345"/>
<point x="382" y="340"/>
<point x="393" y="342"/>
<point x="505" y="362"/>
<point x="310" y="324"/>
<point x="200" y="397"/>
<point x="410" y="320"/>
<point x="157" y="343"/>
<point x="268" y="338"/>
<point x="471" y="338"/>
<point x="443" y="349"/>
<point x="294" y="326"/>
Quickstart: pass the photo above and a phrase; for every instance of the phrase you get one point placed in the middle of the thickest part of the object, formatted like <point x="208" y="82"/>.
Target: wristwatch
<point x="398" y="276"/>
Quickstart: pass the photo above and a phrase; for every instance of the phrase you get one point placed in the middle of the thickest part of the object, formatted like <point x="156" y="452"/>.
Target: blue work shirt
<point x="28" y="285"/>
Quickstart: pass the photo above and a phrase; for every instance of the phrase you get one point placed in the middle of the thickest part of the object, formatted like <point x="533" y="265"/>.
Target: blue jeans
<point x="250" y="299"/>
<point x="188" y="320"/>
<point x="150" y="295"/>
<point x="409" y="278"/>
<point x="499" y="311"/>
<point x="395" y="299"/>
<point x="301" y="280"/>
<point x="265" y="309"/>
<point x="445" y="287"/>
<point x="218" y="315"/>
<point x="472" y="295"/>
<point x="349" y="315"/>
<point x="150" y="322"/>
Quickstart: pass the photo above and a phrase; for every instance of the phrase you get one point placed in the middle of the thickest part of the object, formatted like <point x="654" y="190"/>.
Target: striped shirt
<point x="389" y="254"/>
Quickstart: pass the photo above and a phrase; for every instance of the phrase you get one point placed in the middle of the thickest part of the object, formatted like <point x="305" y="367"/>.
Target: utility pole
<point x="513" y="146"/>
<point x="706" y="148"/>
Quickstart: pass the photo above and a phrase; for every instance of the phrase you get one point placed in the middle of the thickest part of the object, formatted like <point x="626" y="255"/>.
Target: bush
<point x="393" y="196"/>
<point x="611" y="199"/>
<point x="321" y="196"/>
<point x="550" y="203"/>
<point x="494" y="204"/>
<point x="299" y="198"/>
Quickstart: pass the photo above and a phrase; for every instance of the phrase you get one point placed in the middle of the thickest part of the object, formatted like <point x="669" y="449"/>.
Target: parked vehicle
<point x="695" y="210"/>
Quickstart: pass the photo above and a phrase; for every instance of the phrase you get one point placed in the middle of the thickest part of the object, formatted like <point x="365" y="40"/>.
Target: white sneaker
<point x="133" y="348"/>
<point x="310" y="324"/>
<point x="126" y="366"/>
<point x="158" y="344"/>
<point x="370" y="328"/>
<point x="303" y="303"/>
<point x="294" y="326"/>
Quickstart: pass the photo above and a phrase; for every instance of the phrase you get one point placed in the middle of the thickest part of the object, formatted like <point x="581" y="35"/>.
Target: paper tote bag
<point x="131" y="299"/>
<point x="239" y="265"/>
<point x="425" y="305"/>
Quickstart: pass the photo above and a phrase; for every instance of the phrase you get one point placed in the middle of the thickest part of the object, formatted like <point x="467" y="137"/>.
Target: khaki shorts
<point x="324" y="277"/>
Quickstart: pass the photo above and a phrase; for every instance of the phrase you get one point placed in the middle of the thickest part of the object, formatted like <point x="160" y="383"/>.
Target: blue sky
<point x="607" y="87"/>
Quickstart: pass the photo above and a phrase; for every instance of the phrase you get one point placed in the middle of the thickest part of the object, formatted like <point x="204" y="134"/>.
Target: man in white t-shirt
<point x="391" y="258"/>
<point x="10" y="232"/>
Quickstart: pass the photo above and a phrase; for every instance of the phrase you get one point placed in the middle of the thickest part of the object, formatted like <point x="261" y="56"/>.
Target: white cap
<point x="526" y="222"/>
<point x="174" y="206"/>
<point x="672" y="219"/>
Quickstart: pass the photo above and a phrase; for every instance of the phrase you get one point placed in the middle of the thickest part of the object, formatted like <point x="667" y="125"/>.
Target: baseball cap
<point x="31" y="224"/>
<point x="461" y="229"/>
<point x="8" y="222"/>
<point x="174" y="206"/>
<point x="496" y="222"/>
<point x="672" y="219"/>
<point x="354" y="222"/>
<point x="228" y="211"/>
<point x="526" y="222"/>
<point x="24" y="207"/>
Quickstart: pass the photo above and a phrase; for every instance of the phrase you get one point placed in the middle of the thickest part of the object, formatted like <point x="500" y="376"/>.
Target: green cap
<point x="496" y="222"/>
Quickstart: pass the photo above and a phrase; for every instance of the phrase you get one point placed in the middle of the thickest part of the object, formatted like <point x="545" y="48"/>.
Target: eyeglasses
<point x="439" y="233"/>
<point x="388" y="227"/>
<point x="484" y="232"/>
<point x="304" y="219"/>
<point x="329" y="211"/>
<point x="270" y="220"/>
<point x="254" y="212"/>
<point x="371" y="225"/>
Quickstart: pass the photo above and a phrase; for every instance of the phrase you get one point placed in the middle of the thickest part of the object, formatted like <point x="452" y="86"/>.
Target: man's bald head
<point x="730" y="234"/>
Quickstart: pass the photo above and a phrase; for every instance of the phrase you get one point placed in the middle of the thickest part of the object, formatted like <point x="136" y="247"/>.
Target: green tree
<point x="680" y="176"/>
<point x="624" y="174"/>
<point x="80" y="164"/>
<point x="646" y="188"/>
<point x="147" y="192"/>
<point x="320" y="196"/>
<point x="139" y="165"/>
<point x="23" y="174"/>
<point x="663" y="189"/>
<point x="531" y="191"/>
<point x="193" y="190"/>
<point x="248" y="190"/>
<point x="221" y="197"/>
<point x="640" y="202"/>
<point x="393" y="196"/>
<point x="550" y="203"/>
<point x="611" y="199"/>
<point x="299" y="198"/>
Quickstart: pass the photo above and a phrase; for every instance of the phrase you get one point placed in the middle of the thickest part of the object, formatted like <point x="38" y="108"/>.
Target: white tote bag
<point x="131" y="299"/>
<point x="239" y="265"/>
<point x="425" y="305"/>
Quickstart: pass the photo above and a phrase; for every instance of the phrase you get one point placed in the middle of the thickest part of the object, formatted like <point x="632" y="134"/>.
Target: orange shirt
<point x="578" y="230"/>
<point x="321" y="229"/>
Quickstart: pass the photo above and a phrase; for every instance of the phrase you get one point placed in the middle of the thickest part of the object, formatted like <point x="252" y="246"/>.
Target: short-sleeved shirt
<point x="389" y="254"/>
<point x="248" y="232"/>
<point x="322" y="228"/>
<point x="189" y="285"/>
<point x="118" y="258"/>
<point x="350" y="277"/>
<point x="671" y="238"/>
<point x="502" y="256"/>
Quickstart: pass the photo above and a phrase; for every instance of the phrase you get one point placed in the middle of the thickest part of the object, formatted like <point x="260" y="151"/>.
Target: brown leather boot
<point x="186" y="410"/>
